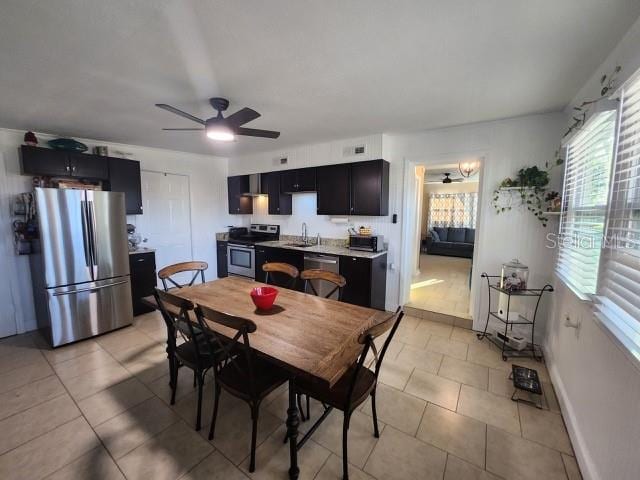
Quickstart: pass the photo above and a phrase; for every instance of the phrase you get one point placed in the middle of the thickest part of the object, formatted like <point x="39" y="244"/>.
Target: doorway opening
<point x="447" y="217"/>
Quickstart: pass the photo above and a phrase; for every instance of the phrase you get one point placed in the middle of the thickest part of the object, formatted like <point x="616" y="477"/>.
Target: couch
<point x="452" y="242"/>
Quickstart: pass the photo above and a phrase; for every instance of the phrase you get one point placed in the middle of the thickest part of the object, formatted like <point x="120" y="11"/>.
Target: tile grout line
<point x="90" y="426"/>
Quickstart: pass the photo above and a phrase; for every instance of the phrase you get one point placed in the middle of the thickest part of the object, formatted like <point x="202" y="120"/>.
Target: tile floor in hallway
<point x="100" y="409"/>
<point x="442" y="285"/>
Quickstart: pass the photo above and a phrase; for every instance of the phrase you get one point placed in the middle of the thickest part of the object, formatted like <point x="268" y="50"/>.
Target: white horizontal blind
<point x="619" y="282"/>
<point x="586" y="189"/>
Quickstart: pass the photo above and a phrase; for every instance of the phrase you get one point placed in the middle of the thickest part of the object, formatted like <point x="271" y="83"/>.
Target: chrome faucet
<point x="304" y="233"/>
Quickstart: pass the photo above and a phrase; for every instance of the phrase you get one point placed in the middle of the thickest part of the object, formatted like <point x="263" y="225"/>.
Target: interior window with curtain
<point x="453" y="209"/>
<point x="589" y="155"/>
<point x="618" y="300"/>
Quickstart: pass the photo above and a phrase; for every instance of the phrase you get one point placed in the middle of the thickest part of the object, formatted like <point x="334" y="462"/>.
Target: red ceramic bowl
<point x="263" y="297"/>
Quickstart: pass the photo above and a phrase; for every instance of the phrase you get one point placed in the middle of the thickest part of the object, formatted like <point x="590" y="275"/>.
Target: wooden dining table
<point x="305" y="334"/>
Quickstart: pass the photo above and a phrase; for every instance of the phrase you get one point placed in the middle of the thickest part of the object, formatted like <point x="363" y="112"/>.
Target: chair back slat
<point x="169" y="271"/>
<point x="175" y="313"/>
<point x="367" y="340"/>
<point x="231" y="349"/>
<point x="337" y="280"/>
<point x="275" y="269"/>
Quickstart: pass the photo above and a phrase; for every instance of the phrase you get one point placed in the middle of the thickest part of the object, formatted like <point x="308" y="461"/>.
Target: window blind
<point x="619" y="282"/>
<point x="589" y="156"/>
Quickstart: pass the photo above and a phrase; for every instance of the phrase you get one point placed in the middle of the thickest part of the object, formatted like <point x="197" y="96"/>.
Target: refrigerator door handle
<point x="92" y="233"/>
<point x="85" y="233"/>
<point x="89" y="289"/>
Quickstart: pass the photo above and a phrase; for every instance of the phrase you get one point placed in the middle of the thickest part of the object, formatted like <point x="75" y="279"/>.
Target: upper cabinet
<point x="279" y="203"/>
<point x="360" y="188"/>
<point x="239" y="203"/>
<point x="298" y="180"/>
<point x="59" y="163"/>
<point x="334" y="189"/>
<point x="124" y="176"/>
<point x="370" y="188"/>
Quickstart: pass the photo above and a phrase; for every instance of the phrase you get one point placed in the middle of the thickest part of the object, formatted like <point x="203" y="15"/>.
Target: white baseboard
<point x="587" y="467"/>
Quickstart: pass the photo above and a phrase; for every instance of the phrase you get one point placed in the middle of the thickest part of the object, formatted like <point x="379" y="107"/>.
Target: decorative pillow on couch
<point x="434" y="235"/>
<point x="456" y="235"/>
<point x="442" y="233"/>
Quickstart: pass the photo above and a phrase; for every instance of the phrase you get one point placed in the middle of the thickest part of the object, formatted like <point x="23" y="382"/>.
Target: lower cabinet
<point x="221" y="254"/>
<point x="143" y="279"/>
<point x="270" y="254"/>
<point x="366" y="280"/>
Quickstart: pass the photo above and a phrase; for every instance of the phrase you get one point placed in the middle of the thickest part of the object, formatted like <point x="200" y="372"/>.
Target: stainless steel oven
<point x="241" y="260"/>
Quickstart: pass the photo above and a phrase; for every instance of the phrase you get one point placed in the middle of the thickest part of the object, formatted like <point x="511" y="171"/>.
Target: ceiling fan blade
<point x="241" y="117"/>
<point x="184" y="129"/>
<point x="171" y="109"/>
<point x="253" y="132"/>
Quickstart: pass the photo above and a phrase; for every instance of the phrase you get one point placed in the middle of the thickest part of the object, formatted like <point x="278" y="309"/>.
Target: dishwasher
<point x="319" y="261"/>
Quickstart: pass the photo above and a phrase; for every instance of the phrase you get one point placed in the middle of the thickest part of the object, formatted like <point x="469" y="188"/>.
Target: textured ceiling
<point x="315" y="70"/>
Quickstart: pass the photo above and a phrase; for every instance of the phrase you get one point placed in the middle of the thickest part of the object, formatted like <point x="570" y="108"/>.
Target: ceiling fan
<point x="221" y="128"/>
<point x="447" y="178"/>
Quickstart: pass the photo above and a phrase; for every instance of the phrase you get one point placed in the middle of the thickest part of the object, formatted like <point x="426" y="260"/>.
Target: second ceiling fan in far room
<point x="220" y="128"/>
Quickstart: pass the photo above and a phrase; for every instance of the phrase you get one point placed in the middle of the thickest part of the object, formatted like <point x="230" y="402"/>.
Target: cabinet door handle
<point x="67" y="168"/>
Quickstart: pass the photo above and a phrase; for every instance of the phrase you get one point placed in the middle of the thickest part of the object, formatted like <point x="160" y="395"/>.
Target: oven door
<point x="241" y="260"/>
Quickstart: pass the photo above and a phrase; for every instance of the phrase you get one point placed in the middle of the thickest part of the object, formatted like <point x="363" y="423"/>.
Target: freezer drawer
<point x="86" y="310"/>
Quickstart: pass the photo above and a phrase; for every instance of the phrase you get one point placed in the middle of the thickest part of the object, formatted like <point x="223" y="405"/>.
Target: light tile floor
<point x="100" y="409"/>
<point x="442" y="285"/>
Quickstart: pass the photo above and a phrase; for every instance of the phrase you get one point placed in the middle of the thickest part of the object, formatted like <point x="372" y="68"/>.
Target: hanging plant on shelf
<point x="528" y="189"/>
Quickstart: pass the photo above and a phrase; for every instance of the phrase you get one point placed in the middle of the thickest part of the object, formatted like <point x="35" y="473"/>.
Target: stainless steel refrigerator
<point x="80" y="268"/>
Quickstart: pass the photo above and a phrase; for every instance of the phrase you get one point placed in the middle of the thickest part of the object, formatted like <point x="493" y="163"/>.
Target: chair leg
<point x="376" y="432"/>
<point x="308" y="409"/>
<point x="345" y="459"/>
<point x="299" y="400"/>
<point x="174" y="381"/>
<point x="255" y="409"/>
<point x="216" y="400"/>
<point x="200" y="388"/>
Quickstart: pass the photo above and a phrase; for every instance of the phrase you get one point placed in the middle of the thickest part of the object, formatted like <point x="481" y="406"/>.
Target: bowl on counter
<point x="263" y="297"/>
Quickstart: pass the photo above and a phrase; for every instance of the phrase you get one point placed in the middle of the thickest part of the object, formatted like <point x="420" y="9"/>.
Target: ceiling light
<point x="220" y="133"/>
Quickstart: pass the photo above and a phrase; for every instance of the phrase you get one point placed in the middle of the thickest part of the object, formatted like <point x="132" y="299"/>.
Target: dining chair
<point x="355" y="385"/>
<point x="277" y="270"/>
<point x="337" y="280"/>
<point x="240" y="372"/>
<point x="196" y="268"/>
<point x="194" y="353"/>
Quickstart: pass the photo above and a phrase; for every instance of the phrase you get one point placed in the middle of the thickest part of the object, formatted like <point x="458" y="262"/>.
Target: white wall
<point x="207" y="180"/>
<point x="506" y="145"/>
<point x="597" y="385"/>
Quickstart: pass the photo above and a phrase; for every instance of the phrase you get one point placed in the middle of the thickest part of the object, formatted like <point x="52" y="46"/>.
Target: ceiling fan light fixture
<point x="220" y="133"/>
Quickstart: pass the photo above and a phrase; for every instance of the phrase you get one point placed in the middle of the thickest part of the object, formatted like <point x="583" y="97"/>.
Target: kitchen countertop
<point x="326" y="249"/>
<point x="141" y="250"/>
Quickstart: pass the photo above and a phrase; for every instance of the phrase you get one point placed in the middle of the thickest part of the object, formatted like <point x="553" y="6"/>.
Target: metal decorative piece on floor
<point x="511" y="345"/>
<point x="527" y="380"/>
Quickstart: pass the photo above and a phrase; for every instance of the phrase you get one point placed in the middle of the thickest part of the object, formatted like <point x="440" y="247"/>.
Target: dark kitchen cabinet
<point x="370" y="188"/>
<point x="279" y="203"/>
<point x="60" y="163"/>
<point x="44" y="161"/>
<point x="271" y="254"/>
<point x="221" y="256"/>
<point x="143" y="280"/>
<point x="366" y="280"/>
<point x="239" y="203"/>
<point x="298" y="180"/>
<point x="124" y="176"/>
<point x="333" y="183"/>
<point x="85" y="165"/>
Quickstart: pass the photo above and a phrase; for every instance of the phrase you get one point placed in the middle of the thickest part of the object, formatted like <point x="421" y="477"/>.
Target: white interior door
<point x="166" y="221"/>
